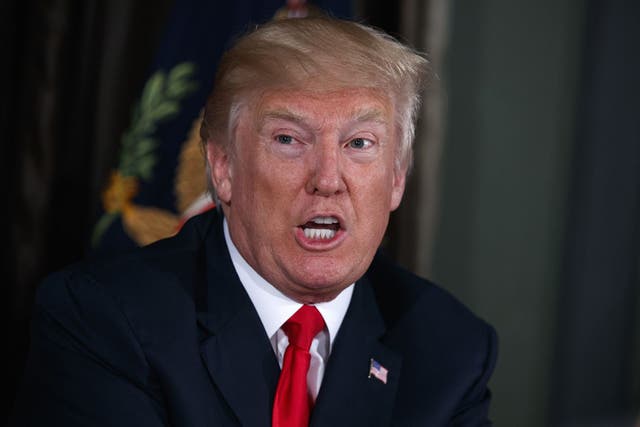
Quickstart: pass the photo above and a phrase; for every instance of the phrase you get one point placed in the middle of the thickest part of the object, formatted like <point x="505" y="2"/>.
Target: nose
<point x="326" y="170"/>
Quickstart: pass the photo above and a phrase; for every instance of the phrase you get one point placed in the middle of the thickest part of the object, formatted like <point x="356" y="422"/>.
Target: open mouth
<point x="321" y="228"/>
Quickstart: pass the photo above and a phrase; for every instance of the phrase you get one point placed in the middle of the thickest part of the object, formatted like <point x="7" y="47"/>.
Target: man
<point x="307" y="136"/>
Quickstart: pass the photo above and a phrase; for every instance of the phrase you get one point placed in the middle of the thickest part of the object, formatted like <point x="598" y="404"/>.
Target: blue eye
<point x="359" y="143"/>
<point x="284" y="139"/>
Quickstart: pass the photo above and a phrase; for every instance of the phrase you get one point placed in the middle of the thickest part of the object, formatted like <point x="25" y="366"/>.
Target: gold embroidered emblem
<point x="159" y="102"/>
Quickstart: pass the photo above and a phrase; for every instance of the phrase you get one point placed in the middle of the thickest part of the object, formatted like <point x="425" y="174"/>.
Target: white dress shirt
<point x="274" y="308"/>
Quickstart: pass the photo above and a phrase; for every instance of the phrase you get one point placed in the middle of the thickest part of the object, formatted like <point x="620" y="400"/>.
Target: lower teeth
<point x="319" y="233"/>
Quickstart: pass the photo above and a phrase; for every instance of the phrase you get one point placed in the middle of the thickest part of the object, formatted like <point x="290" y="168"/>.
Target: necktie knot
<point x="305" y="324"/>
<point x="292" y="403"/>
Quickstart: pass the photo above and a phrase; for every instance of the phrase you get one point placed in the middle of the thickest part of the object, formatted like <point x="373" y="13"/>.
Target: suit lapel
<point x="348" y="395"/>
<point x="235" y="348"/>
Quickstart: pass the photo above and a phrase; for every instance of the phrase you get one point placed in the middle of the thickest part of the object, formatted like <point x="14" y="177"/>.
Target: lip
<point x="321" y="244"/>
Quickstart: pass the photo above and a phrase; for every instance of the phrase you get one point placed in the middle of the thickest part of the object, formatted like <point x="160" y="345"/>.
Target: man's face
<point x="308" y="185"/>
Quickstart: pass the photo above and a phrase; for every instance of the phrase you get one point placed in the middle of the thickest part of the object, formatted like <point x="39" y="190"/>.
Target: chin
<point x="316" y="293"/>
<point x="325" y="277"/>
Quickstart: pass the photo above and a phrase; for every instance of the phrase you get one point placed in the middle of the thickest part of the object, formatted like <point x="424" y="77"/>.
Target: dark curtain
<point x="597" y="335"/>
<point x="69" y="68"/>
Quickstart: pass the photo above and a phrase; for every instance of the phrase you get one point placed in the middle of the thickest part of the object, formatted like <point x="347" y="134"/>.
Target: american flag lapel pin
<point x="378" y="371"/>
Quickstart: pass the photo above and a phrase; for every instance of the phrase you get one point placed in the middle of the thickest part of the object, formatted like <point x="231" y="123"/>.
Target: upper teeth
<point x="324" y="220"/>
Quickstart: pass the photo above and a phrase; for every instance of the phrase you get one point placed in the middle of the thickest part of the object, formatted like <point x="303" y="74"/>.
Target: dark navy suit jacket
<point x="167" y="336"/>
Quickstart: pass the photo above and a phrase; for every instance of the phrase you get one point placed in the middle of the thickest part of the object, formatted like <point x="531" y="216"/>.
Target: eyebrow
<point x="281" y="115"/>
<point x="370" y="115"/>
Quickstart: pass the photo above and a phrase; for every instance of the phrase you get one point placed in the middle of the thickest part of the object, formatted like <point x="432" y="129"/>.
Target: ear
<point x="220" y="170"/>
<point x="397" y="190"/>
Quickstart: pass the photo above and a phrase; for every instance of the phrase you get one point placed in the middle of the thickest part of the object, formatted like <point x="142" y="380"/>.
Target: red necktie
<point x="292" y="404"/>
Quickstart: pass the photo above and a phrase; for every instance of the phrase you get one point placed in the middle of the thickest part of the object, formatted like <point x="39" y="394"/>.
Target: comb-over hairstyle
<point x="320" y="53"/>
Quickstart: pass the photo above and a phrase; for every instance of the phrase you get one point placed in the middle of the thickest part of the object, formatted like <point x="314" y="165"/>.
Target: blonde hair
<point x="327" y="51"/>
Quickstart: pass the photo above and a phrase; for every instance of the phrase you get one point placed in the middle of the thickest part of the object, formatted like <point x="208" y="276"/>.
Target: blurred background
<point x="524" y="201"/>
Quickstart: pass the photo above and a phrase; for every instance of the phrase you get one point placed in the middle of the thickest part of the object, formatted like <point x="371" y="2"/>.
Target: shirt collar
<point x="274" y="307"/>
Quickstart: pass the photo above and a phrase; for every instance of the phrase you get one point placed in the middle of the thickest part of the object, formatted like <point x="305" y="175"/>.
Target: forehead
<point x="319" y="107"/>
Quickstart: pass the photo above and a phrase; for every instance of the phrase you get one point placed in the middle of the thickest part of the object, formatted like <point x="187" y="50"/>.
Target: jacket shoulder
<point x="152" y="287"/>
<point x="401" y="294"/>
<point x="448" y="352"/>
<point x="422" y="319"/>
<point x="149" y="269"/>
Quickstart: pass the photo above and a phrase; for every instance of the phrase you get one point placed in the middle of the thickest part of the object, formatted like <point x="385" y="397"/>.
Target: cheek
<point x="381" y="186"/>
<point x="372" y="200"/>
<point x="279" y="176"/>
<point x="268" y="186"/>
